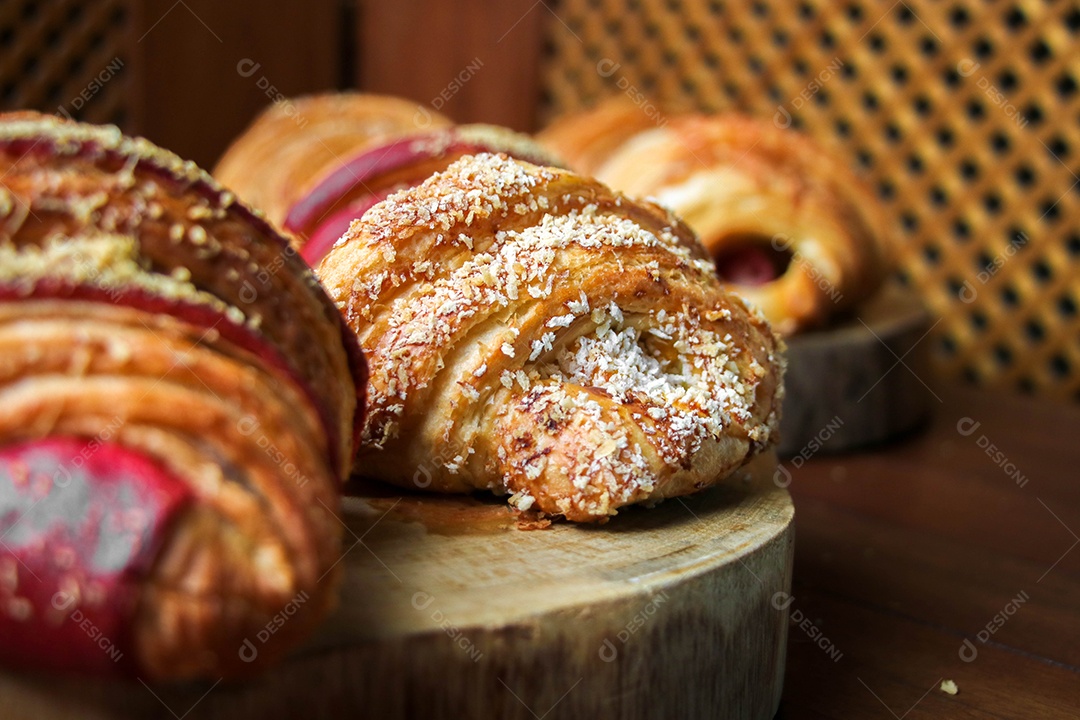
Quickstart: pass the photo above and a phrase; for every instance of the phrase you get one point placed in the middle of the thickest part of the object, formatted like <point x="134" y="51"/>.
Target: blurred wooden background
<point x="191" y="74"/>
<point x="964" y="116"/>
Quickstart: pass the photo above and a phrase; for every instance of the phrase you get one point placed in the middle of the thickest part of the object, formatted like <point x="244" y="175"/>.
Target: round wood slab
<point x="450" y="609"/>
<point x="858" y="381"/>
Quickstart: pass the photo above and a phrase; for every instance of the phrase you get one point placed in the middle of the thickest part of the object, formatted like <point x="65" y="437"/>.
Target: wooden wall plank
<point x="195" y="72"/>
<point x="206" y="68"/>
<point x="474" y="60"/>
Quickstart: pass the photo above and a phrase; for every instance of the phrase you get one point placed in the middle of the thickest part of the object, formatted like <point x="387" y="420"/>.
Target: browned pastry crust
<point x="587" y="139"/>
<point x="68" y="178"/>
<point x="741" y="183"/>
<point x="141" y="306"/>
<point x="549" y="339"/>
<point x="289" y="146"/>
<point x="366" y="176"/>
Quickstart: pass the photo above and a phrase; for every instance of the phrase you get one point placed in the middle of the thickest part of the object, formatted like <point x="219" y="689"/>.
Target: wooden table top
<point x="950" y="555"/>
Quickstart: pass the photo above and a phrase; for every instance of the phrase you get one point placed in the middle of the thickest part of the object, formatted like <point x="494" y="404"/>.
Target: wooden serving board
<point x="450" y="610"/>
<point x="846" y="386"/>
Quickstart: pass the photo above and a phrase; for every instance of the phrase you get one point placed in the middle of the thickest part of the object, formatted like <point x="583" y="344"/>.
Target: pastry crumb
<point x="532" y="520"/>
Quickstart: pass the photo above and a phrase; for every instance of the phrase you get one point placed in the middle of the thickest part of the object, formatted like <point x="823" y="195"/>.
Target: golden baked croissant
<point x="273" y="163"/>
<point x="789" y="227"/>
<point x="368" y="176"/>
<point x="587" y="139"/>
<point x="178" y="407"/>
<point x="319" y="192"/>
<point x="553" y="339"/>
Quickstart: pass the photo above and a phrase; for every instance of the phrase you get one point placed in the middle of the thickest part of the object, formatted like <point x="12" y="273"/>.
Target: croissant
<point x="290" y="144"/>
<point x="178" y="408"/>
<point x="327" y="191"/>
<point x="789" y="227"/>
<point x="587" y="139"/>
<point x="549" y="339"/>
<point x="344" y="194"/>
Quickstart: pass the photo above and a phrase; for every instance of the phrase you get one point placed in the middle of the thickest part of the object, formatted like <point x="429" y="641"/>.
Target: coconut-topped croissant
<point x="555" y="340"/>
<point x="177" y="411"/>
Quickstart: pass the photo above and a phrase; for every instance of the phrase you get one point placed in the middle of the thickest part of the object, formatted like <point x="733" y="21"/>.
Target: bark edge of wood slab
<point x="449" y="607"/>
<point x="841" y="393"/>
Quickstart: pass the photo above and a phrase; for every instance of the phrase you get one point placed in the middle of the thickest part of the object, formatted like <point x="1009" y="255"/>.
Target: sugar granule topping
<point x="633" y="385"/>
<point x="695" y="396"/>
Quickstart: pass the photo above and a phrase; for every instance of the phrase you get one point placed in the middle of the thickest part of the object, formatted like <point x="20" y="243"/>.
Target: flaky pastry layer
<point x="742" y="182"/>
<point x="534" y="333"/>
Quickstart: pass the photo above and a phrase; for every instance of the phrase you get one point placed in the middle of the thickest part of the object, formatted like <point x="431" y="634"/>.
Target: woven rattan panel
<point x="67" y="57"/>
<point x="964" y="116"/>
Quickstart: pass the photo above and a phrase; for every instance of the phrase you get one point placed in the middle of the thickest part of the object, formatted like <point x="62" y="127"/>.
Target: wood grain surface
<point x="856" y="381"/>
<point x="909" y="554"/>
<point x="450" y="609"/>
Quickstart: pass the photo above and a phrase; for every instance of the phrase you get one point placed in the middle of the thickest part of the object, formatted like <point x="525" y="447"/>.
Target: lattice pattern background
<point x="963" y="115"/>
<point x="67" y="57"/>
